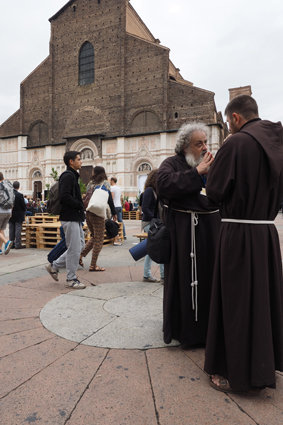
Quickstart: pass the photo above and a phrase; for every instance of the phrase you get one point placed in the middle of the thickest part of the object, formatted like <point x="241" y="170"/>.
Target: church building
<point x="107" y="89"/>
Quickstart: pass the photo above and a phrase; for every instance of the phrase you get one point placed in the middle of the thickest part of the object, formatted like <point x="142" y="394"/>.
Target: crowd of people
<point x="223" y="283"/>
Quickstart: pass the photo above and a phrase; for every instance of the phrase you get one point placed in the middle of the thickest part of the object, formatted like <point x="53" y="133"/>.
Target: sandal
<point x="81" y="262"/>
<point x="224" y="386"/>
<point x="97" y="269"/>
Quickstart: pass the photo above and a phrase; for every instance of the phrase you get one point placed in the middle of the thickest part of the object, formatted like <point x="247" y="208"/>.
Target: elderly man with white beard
<point x="194" y="227"/>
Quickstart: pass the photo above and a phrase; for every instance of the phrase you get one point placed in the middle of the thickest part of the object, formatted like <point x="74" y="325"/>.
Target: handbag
<point x="98" y="201"/>
<point x="159" y="239"/>
<point x="112" y="228"/>
<point x="87" y="197"/>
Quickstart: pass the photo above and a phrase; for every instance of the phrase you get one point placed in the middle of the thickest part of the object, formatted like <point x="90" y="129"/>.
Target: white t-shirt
<point x="5" y="211"/>
<point x="117" y="196"/>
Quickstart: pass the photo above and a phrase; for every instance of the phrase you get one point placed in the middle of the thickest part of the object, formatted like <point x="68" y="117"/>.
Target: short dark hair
<point x="1" y="176"/>
<point x="70" y="155"/>
<point x="114" y="179"/>
<point x="16" y="185"/>
<point x="243" y="105"/>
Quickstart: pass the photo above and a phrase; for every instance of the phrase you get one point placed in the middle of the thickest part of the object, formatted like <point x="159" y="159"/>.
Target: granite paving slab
<point x="50" y="396"/>
<point x="8" y="327"/>
<point x="19" y="367"/>
<point x="183" y="395"/>
<point x="75" y="318"/>
<point x="19" y="341"/>
<point x="119" y="395"/>
<point x="124" y="315"/>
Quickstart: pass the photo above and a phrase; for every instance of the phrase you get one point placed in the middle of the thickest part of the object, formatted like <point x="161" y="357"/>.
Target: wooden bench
<point x="141" y="236"/>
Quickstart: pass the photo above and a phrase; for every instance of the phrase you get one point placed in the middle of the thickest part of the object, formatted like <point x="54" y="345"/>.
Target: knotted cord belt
<point x="193" y="255"/>
<point x="235" y="220"/>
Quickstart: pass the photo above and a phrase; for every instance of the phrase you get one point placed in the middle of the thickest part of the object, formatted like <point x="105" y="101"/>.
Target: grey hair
<point x="184" y="135"/>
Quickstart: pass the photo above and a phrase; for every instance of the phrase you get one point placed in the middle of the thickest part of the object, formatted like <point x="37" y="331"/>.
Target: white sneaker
<point x="150" y="279"/>
<point x="75" y="284"/>
<point x="53" y="273"/>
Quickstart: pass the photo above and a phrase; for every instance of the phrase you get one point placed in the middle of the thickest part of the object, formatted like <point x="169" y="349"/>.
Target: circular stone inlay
<point x="114" y="315"/>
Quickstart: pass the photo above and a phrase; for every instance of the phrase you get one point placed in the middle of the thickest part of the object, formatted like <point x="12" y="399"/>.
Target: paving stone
<point x="45" y="283"/>
<point x="266" y="409"/>
<point x="115" y="290"/>
<point x="114" y="315"/>
<point x="19" y="313"/>
<point x="182" y="393"/>
<point x="120" y="274"/>
<point x="18" y="325"/>
<point x="13" y="291"/>
<point x="130" y="333"/>
<point x="75" y="318"/>
<point x="20" y="303"/>
<point x="19" y="367"/>
<point x="50" y="396"/>
<point x="15" y="342"/>
<point x="119" y="395"/>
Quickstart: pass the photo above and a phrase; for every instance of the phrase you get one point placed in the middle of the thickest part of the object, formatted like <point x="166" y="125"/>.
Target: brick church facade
<point x="107" y="89"/>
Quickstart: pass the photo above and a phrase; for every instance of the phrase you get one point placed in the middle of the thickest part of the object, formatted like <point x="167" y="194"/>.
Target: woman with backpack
<point x="96" y="224"/>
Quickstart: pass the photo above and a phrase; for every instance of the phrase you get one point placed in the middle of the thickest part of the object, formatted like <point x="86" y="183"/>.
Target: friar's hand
<point x="206" y="162"/>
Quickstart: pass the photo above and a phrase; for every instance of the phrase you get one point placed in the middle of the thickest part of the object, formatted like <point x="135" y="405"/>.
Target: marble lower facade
<point x="129" y="159"/>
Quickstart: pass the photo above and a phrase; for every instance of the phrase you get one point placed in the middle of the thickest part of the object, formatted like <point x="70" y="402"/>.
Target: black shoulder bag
<point x="158" y="239"/>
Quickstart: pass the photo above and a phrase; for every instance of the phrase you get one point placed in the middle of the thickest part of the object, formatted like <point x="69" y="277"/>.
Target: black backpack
<point x="53" y="204"/>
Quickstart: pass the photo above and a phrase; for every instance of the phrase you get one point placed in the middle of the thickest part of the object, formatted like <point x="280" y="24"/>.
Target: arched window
<point x="86" y="64"/>
<point x="38" y="135"/>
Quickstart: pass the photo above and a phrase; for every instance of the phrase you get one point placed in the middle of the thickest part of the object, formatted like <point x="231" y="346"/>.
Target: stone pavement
<point x="96" y="356"/>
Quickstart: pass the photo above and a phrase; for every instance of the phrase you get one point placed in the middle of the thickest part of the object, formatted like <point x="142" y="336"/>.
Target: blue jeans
<point x="119" y="213"/>
<point x="148" y="261"/>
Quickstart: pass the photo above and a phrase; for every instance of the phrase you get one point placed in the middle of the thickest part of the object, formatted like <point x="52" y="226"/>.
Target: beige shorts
<point x="4" y="218"/>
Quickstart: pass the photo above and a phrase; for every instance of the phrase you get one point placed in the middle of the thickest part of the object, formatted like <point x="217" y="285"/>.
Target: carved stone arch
<point x="32" y="177"/>
<point x="38" y="134"/>
<point x="84" y="143"/>
<point x="136" y="173"/>
<point x="140" y="161"/>
<point x="145" y="121"/>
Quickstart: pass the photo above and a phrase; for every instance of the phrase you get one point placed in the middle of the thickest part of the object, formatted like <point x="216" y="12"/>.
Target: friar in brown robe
<point x="194" y="227"/>
<point x="245" y="333"/>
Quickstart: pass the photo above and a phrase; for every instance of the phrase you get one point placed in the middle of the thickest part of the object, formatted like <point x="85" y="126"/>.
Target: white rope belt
<point x="234" y="220"/>
<point x="193" y="255"/>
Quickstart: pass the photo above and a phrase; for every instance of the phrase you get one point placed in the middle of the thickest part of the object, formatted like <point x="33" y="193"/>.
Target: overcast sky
<point x="216" y="44"/>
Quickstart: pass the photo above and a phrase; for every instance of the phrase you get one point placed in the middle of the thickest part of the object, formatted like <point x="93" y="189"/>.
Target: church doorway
<point x="86" y="173"/>
<point x="37" y="190"/>
<point x="141" y="183"/>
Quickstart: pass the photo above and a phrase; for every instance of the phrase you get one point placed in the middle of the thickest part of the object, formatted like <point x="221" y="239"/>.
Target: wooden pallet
<point x="41" y="218"/>
<point x="47" y="235"/>
<point x="132" y="215"/>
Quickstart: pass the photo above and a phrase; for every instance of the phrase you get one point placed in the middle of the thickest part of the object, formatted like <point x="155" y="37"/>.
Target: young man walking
<point x="71" y="217"/>
<point x="116" y="195"/>
<point x="17" y="218"/>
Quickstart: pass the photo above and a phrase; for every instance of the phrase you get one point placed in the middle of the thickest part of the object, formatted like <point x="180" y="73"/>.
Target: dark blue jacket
<point x="148" y="204"/>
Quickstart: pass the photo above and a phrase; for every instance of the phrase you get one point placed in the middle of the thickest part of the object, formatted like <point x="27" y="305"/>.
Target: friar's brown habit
<point x="245" y="333"/>
<point x="180" y="184"/>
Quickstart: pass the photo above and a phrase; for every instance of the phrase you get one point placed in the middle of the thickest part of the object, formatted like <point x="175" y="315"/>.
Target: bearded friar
<point x="194" y="227"/>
